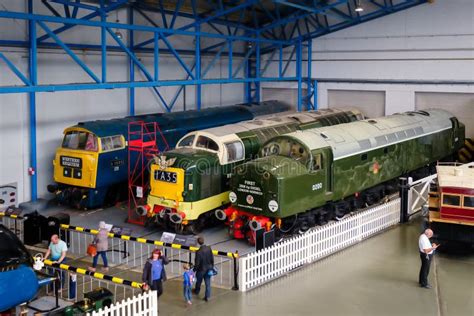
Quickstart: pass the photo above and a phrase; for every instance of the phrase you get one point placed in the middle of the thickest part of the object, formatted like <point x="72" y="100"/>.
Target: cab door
<point x="321" y="169"/>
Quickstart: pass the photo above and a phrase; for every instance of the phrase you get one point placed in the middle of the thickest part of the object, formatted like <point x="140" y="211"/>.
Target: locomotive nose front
<point x="259" y="186"/>
<point x="255" y="187"/>
<point x="75" y="168"/>
<point x="167" y="188"/>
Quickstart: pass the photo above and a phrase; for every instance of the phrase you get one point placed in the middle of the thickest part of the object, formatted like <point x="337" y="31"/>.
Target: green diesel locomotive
<point x="308" y="177"/>
<point x="192" y="181"/>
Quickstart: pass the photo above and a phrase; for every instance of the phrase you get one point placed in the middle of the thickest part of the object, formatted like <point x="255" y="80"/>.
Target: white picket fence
<point x="268" y="264"/>
<point x="145" y="304"/>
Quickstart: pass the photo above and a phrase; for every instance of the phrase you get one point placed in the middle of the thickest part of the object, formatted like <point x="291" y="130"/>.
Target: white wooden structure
<point x="141" y="305"/>
<point x="268" y="264"/>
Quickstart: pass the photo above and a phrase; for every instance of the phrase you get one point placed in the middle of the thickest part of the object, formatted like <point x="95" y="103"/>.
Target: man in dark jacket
<point x="204" y="262"/>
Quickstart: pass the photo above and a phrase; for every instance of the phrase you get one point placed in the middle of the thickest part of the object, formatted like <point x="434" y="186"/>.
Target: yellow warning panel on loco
<point x="75" y="167"/>
<point x="167" y="183"/>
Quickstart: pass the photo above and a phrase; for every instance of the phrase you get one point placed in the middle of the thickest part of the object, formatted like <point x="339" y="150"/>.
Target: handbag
<point x="212" y="272"/>
<point x="92" y="250"/>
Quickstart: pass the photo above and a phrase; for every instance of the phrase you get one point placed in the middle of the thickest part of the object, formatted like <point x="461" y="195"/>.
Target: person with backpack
<point x="188" y="280"/>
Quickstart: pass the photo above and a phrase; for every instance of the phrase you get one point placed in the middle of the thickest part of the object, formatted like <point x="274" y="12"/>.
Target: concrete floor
<point x="376" y="277"/>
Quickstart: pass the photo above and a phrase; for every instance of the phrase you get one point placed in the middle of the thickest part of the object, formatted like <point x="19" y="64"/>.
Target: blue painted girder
<point x="315" y="18"/>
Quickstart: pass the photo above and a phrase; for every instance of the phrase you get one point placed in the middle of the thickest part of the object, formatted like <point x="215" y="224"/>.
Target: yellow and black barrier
<point x="96" y="275"/>
<point x="148" y="241"/>
<point x="11" y="216"/>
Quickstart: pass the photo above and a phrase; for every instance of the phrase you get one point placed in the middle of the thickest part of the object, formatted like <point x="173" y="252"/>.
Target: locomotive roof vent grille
<point x="401" y="135"/>
<point x="381" y="140"/>
<point x="372" y="121"/>
<point x="410" y="132"/>
<point x="364" y="144"/>
<point x="324" y="136"/>
<point x="392" y="137"/>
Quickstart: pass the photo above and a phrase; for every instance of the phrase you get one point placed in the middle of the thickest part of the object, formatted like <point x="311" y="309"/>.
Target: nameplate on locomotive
<point x="166" y="176"/>
<point x="71" y="162"/>
<point x="117" y="162"/>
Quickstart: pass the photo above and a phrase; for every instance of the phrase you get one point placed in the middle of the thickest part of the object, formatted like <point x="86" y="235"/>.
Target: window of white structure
<point x="235" y="151"/>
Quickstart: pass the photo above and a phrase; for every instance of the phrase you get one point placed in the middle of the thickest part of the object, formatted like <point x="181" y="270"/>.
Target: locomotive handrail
<point x="232" y="255"/>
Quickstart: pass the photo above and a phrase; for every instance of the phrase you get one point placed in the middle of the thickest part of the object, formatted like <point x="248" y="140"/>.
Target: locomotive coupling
<point x="220" y="214"/>
<point x="177" y="218"/>
<point x="142" y="210"/>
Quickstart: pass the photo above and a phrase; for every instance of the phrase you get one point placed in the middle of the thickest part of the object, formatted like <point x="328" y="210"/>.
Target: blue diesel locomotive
<point x="91" y="166"/>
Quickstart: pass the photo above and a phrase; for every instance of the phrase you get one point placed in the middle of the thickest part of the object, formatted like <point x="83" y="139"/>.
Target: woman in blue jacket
<point x="154" y="273"/>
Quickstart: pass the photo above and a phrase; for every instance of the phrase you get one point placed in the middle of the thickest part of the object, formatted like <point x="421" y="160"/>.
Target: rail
<point x="133" y="252"/>
<point x="14" y="223"/>
<point x="74" y="282"/>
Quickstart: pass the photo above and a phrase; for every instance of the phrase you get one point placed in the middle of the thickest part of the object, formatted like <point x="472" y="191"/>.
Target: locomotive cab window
<point x="451" y="200"/>
<point x="187" y="141"/>
<point x="207" y="143"/>
<point x="235" y="151"/>
<point x="112" y="143"/>
<point x="317" y="162"/>
<point x="80" y="140"/>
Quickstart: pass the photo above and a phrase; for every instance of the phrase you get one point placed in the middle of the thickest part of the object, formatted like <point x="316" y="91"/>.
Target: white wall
<point x="56" y="111"/>
<point x="430" y="42"/>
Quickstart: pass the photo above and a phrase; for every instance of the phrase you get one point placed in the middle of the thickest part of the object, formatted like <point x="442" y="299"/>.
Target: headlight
<point x="232" y="197"/>
<point x="273" y="206"/>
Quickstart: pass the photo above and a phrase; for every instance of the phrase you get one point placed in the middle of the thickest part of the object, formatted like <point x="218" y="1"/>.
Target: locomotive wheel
<point x="196" y="226"/>
<point x="321" y="219"/>
<point x="193" y="229"/>
<point x="251" y="237"/>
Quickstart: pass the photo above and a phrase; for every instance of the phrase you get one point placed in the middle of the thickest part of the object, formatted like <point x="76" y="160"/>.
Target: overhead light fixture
<point x="117" y="31"/>
<point x="358" y="7"/>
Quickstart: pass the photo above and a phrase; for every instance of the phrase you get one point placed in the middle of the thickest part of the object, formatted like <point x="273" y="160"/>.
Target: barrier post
<point x="404" y="187"/>
<point x="72" y="286"/>
<point x="236" y="271"/>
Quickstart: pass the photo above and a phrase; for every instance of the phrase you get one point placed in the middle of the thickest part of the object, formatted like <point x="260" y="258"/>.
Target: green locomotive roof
<point x="275" y="120"/>
<point x="352" y="138"/>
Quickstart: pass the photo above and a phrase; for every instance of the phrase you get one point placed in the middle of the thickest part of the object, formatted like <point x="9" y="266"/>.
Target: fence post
<point x="72" y="286"/>
<point x="242" y="272"/>
<point x="236" y="271"/>
<point x="404" y="187"/>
